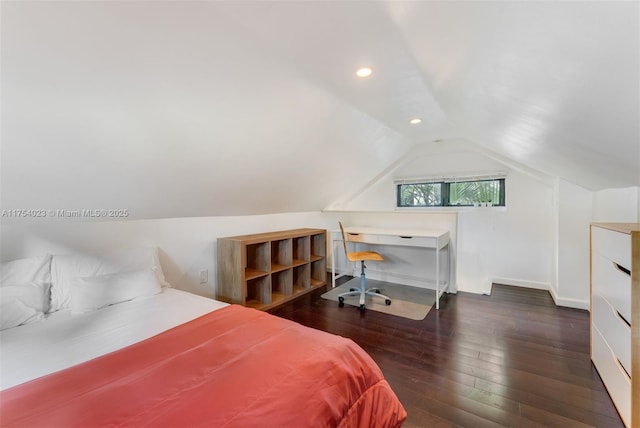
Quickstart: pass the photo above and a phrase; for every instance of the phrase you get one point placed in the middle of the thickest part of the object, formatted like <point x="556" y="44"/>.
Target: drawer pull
<point x="622" y="367"/>
<point x="406" y="237"/>
<point x="622" y="268"/>
<point x="623" y="319"/>
<point x="353" y="234"/>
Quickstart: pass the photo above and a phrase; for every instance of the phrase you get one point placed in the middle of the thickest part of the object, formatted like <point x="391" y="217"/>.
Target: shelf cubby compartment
<point x="281" y="255"/>
<point x="258" y="291"/>
<point x="301" y="250"/>
<point x="301" y="277"/>
<point x="318" y="246"/>
<point x="281" y="285"/>
<point x="318" y="272"/>
<point x="258" y="258"/>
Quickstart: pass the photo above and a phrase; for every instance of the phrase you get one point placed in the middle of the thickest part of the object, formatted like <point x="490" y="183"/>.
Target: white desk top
<point x="425" y="233"/>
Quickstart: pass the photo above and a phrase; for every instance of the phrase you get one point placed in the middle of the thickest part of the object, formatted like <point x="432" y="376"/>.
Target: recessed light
<point x="415" y="121"/>
<point x="364" y="72"/>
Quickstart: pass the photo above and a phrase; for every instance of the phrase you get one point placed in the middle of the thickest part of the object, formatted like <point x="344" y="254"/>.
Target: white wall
<point x="512" y="245"/>
<point x="573" y="216"/>
<point x="576" y="208"/>
<point x="617" y="205"/>
<point x="187" y="245"/>
<point x="509" y="246"/>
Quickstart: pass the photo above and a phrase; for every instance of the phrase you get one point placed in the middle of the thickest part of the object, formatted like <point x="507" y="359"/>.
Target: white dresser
<point x="615" y="314"/>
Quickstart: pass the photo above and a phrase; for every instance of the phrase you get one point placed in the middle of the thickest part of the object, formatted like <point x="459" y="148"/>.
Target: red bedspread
<point x="235" y="367"/>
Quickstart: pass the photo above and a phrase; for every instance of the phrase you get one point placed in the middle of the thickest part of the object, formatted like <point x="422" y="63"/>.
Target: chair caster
<point x="340" y="301"/>
<point x="361" y="307"/>
<point x="353" y="289"/>
<point x="387" y="302"/>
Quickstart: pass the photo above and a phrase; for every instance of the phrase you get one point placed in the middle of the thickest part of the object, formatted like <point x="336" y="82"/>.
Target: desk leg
<point x="333" y="264"/>
<point x="438" y="278"/>
<point x="335" y="276"/>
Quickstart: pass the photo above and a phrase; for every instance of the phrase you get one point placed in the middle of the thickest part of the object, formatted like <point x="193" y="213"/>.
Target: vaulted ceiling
<point x="174" y="109"/>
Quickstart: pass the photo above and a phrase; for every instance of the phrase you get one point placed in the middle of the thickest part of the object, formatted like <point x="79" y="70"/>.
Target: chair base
<point x="370" y="292"/>
<point x="362" y="292"/>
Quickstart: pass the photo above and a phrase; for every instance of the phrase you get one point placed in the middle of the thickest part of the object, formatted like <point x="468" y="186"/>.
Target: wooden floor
<point x="510" y="359"/>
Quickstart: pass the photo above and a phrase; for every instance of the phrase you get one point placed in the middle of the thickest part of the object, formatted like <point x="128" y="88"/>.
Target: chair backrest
<point x="344" y="238"/>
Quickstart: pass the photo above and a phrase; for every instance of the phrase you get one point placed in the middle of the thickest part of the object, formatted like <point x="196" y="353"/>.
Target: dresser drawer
<point x="615" y="379"/>
<point x="615" y="246"/>
<point x="614" y="328"/>
<point x="613" y="284"/>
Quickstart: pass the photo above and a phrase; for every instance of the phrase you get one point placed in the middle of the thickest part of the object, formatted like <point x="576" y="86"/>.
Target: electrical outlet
<point x="204" y="276"/>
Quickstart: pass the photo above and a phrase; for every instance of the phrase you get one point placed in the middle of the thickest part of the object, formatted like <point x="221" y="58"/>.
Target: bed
<point x="170" y="358"/>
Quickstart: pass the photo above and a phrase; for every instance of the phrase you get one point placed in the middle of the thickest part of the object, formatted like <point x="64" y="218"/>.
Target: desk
<point x="436" y="239"/>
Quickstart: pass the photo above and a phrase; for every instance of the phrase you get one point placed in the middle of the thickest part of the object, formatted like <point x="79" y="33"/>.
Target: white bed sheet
<point x="63" y="340"/>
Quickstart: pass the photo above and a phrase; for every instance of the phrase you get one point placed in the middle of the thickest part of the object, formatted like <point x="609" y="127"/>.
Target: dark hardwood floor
<point x="510" y="359"/>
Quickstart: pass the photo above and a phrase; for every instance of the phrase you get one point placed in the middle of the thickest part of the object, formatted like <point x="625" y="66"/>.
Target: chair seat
<point x="357" y="256"/>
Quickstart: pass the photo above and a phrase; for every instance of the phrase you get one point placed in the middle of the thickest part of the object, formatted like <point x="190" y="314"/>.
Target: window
<point x="451" y="193"/>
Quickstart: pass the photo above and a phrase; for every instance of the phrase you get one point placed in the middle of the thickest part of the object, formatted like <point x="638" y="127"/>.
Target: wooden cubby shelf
<point x="268" y="269"/>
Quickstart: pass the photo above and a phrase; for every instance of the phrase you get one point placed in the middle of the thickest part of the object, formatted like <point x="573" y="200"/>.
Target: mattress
<point x="63" y="340"/>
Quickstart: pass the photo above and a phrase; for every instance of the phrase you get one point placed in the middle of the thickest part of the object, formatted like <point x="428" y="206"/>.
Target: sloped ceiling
<point x="172" y="109"/>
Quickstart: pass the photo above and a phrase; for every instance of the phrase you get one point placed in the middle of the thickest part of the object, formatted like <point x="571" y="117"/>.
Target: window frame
<point x="445" y="186"/>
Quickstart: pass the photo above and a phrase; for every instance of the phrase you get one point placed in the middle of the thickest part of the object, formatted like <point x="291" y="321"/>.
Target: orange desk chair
<point x="361" y="256"/>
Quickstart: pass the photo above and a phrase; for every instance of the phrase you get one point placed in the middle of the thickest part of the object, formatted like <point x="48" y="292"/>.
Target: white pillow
<point x="27" y="270"/>
<point x="66" y="268"/>
<point x="33" y="295"/>
<point x="95" y="292"/>
<point x="22" y="304"/>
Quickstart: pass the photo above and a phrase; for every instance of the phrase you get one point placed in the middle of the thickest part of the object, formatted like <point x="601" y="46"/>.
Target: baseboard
<point x="522" y="283"/>
<point x="487" y="290"/>
<point x="573" y="303"/>
<point x="554" y="295"/>
<point x="558" y="300"/>
<point x="569" y="303"/>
